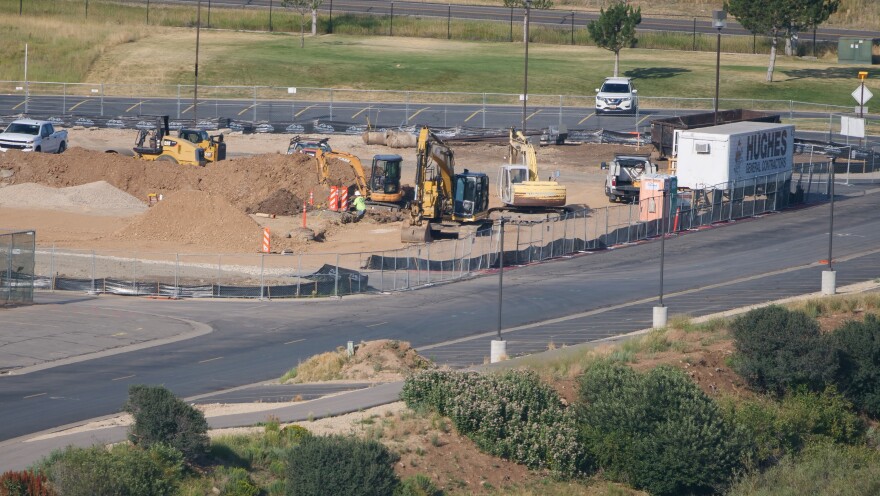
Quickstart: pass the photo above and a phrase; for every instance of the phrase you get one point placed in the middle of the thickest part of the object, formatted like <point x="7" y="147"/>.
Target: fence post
<point x="63" y="99"/>
<point x="336" y="278"/>
<point x="134" y="272"/>
<point x="448" y="22"/>
<point x="406" y="106"/>
<point x="219" y="273"/>
<point x="93" y="272"/>
<point x="484" y="111"/>
<point x="255" y="104"/>
<point x="299" y="261"/>
<point x="178" y="101"/>
<point x="428" y="246"/>
<point x="560" y="113"/>
<point x="52" y="267"/>
<point x="695" y="35"/>
<point x="331" y="104"/>
<point x="102" y="99"/>
<point x="176" y="274"/>
<point x="262" y="280"/>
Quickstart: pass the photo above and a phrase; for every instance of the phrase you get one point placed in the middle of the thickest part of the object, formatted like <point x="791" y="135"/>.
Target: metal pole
<point x="330" y="23"/>
<point x="500" y="275"/>
<point x="262" y="265"/>
<point x="662" y="246"/>
<point x="27" y="91"/>
<point x="19" y="6"/>
<point x="862" y="101"/>
<point x="336" y="278"/>
<point x="87" y="9"/>
<point x="209" y="13"/>
<point x="695" y="34"/>
<point x="814" y="41"/>
<point x="572" y="27"/>
<point x="391" y="23"/>
<point x="525" y="96"/>
<point x="831" y="218"/>
<point x="448" y="22"/>
<point x="270" y="16"/>
<point x="196" y="85"/>
<point x="148" y="12"/>
<point x="717" y="76"/>
<point x="511" y="24"/>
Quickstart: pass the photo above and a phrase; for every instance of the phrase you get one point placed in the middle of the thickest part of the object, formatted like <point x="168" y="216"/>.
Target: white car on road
<point x="617" y="95"/>
<point x="29" y="135"/>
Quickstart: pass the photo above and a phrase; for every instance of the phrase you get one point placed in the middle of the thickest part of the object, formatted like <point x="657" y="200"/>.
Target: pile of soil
<point x="97" y="198"/>
<point x="281" y="202"/>
<point x="196" y="218"/>
<point x="385" y="360"/>
<point x="244" y="182"/>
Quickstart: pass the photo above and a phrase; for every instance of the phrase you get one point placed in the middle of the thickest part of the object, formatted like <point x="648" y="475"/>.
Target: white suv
<point x="617" y="95"/>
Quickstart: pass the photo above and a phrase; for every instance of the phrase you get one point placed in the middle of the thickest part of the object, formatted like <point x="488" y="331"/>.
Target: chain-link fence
<point x="322" y="274"/>
<point x="17" y="251"/>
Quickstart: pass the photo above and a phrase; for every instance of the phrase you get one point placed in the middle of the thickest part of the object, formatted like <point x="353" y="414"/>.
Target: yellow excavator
<point x="383" y="186"/>
<point x="444" y="201"/>
<point x="157" y="144"/>
<point x="519" y="186"/>
<point x="215" y="148"/>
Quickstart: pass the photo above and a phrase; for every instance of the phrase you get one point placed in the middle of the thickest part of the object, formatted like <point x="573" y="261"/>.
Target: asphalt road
<point x="567" y="301"/>
<point x="552" y="18"/>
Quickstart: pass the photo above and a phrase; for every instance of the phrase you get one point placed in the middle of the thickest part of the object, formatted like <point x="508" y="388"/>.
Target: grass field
<point x="111" y="49"/>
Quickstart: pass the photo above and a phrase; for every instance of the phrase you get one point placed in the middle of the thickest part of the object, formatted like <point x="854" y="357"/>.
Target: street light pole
<point x="718" y="21"/>
<point x="660" y="311"/>
<point x="498" y="350"/>
<point x="829" y="277"/>
<point x="196" y="80"/>
<point x="525" y="95"/>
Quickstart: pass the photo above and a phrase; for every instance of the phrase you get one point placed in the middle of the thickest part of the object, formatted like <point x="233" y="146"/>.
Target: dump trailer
<point x="663" y="130"/>
<point x="730" y="155"/>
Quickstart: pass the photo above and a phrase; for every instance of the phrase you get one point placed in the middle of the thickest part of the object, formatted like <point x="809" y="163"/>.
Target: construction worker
<point x="360" y="205"/>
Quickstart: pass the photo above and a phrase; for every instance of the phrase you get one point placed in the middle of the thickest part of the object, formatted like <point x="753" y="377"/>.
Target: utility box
<point x="655" y="188"/>
<point x="855" y="51"/>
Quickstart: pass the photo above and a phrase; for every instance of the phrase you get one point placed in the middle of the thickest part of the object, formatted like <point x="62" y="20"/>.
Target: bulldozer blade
<point x="415" y="234"/>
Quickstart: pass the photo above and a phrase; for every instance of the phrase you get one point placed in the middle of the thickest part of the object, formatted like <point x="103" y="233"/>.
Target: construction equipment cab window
<point x="385" y="176"/>
<point x="470" y="189"/>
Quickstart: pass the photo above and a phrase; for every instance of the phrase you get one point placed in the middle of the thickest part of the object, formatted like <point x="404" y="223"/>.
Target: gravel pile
<point x="99" y="197"/>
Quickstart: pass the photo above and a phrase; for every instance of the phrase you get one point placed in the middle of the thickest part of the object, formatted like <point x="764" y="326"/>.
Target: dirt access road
<point x="219" y="217"/>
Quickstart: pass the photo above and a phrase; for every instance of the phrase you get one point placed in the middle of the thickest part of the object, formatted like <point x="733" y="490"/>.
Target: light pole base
<point x="660" y="317"/>
<point x="499" y="351"/>
<point x="829" y="282"/>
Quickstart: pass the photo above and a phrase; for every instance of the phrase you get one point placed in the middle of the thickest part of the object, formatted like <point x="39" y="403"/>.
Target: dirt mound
<point x="381" y="360"/>
<point x="281" y="202"/>
<point x="244" y="182"/>
<point x="97" y="198"/>
<point x="199" y="219"/>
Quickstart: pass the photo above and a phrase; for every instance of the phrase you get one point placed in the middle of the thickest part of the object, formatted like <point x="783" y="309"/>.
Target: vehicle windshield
<point x="390" y="169"/>
<point x="518" y="175"/>
<point x="19" y="128"/>
<point x="615" y="88"/>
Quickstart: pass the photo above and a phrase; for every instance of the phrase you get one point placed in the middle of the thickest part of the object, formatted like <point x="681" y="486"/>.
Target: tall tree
<point x="616" y="29"/>
<point x="303" y="8"/>
<point x="534" y="4"/>
<point x="780" y="17"/>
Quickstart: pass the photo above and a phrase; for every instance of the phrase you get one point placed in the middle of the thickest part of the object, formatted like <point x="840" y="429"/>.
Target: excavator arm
<point x="519" y="144"/>
<point x="352" y="160"/>
<point x="435" y="173"/>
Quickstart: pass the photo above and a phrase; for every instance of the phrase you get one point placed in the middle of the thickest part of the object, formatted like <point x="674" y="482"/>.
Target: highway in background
<point x="554" y="17"/>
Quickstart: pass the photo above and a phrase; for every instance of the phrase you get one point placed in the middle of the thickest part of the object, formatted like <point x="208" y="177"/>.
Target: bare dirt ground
<point x="257" y="176"/>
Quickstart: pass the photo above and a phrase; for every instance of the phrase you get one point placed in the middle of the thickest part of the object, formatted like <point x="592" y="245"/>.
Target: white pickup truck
<point x="33" y="136"/>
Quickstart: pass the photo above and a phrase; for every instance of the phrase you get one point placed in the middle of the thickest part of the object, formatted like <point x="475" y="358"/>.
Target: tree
<point x="533" y="4"/>
<point x="616" y="29"/>
<point x="776" y="17"/>
<point x="304" y="8"/>
<point x="162" y="418"/>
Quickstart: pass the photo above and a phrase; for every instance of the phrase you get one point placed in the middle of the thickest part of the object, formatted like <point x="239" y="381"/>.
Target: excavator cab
<point x="471" y="196"/>
<point x="385" y="179"/>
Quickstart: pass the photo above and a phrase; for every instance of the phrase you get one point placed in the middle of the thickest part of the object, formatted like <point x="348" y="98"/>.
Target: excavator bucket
<point x="415" y="234"/>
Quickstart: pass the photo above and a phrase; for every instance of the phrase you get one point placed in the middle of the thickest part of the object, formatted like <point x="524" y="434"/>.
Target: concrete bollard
<point x="498" y="351"/>
<point x="660" y="317"/>
<point x="829" y="282"/>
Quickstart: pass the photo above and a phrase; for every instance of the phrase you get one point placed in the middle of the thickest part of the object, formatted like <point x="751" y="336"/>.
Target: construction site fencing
<point x="17" y="262"/>
<point x="267" y="276"/>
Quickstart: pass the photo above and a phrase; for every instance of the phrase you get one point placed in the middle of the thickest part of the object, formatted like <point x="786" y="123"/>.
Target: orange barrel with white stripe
<point x="343" y="198"/>
<point x="334" y="198"/>
<point x="266" y="241"/>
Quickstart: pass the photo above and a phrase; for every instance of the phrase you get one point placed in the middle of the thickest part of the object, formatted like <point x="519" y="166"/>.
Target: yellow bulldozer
<point x="214" y="146"/>
<point x="157" y="144"/>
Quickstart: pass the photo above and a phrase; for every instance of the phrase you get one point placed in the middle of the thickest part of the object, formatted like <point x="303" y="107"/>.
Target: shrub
<point x="162" y="418"/>
<point x="235" y="481"/>
<point x="25" y="483"/>
<point x="822" y="468"/>
<point x="122" y="470"/>
<point x="417" y="485"/>
<point x="512" y="415"/>
<point x="858" y="345"/>
<point x="341" y="466"/>
<point x="779" y="350"/>
<point x="658" y="432"/>
<point x="779" y="428"/>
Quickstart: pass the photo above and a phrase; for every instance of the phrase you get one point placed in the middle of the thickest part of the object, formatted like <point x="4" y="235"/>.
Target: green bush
<point x="341" y="466"/>
<point x="858" y="345"/>
<point x="779" y="350"/>
<point x="26" y="483"/>
<point x="779" y="428"/>
<point x="512" y="415"/>
<point x="417" y="485"/>
<point x="162" y="418"/>
<point x="123" y="470"/>
<point x="822" y="468"/>
<point x="235" y="481"/>
<point x="657" y="431"/>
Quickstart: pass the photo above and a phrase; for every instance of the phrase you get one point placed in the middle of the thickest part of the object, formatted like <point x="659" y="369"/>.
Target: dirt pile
<point x="380" y="360"/>
<point x="100" y="198"/>
<point x="196" y="218"/>
<point x="244" y="182"/>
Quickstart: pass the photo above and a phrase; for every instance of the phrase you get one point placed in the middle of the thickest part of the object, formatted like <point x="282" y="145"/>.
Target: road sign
<point x="862" y="95"/>
<point x="852" y="126"/>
